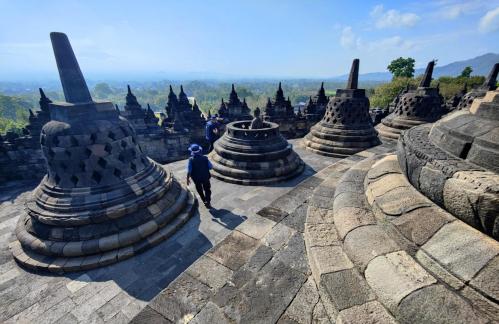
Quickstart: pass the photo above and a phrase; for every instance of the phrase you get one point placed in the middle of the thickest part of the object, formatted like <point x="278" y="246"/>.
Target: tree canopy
<point x="402" y="67"/>
<point x="466" y="72"/>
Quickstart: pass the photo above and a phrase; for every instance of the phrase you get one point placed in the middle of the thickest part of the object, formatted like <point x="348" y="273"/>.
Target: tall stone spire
<point x="490" y="82"/>
<point x="72" y="80"/>
<point x="426" y="80"/>
<point x="233" y="98"/>
<point x="131" y="100"/>
<point x="353" y="79"/>
<point x="279" y="96"/>
<point x="44" y="101"/>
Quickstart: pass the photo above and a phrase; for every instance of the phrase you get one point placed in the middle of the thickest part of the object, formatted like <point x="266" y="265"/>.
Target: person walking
<point x="212" y="132"/>
<point x="198" y="169"/>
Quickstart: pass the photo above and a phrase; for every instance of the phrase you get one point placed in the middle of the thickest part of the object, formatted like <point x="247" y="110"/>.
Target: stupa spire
<point x="353" y="79"/>
<point x="44" y="101"/>
<point x="490" y="82"/>
<point x="426" y="80"/>
<point x="72" y="80"/>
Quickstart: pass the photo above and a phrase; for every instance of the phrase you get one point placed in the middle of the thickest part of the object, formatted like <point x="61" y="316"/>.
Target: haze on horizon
<point x="157" y="39"/>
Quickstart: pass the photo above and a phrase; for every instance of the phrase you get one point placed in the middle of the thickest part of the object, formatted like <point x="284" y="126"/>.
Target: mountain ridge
<point x="481" y="65"/>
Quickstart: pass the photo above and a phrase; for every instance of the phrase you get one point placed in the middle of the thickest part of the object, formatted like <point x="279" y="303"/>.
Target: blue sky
<point x="245" y="38"/>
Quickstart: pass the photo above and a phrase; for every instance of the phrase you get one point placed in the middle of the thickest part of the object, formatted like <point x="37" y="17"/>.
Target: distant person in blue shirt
<point x="212" y="132"/>
<point x="198" y="169"/>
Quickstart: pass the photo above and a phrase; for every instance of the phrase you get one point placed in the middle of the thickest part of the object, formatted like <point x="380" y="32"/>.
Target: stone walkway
<point x="117" y="293"/>
<point x="259" y="273"/>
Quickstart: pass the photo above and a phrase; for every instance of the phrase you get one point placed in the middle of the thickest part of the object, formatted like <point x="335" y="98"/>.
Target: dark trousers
<point x="204" y="190"/>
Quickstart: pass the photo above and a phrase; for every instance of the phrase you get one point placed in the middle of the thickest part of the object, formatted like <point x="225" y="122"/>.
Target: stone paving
<point x="117" y="293"/>
<point x="260" y="273"/>
<point x="381" y="252"/>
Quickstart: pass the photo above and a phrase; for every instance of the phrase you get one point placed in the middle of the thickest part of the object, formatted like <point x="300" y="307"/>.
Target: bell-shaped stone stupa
<point x="455" y="162"/>
<point x="254" y="153"/>
<point x="415" y="107"/>
<point x="102" y="199"/>
<point x="346" y="127"/>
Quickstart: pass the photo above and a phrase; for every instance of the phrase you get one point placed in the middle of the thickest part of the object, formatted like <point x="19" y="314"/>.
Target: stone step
<point x="39" y="262"/>
<point x="368" y="252"/>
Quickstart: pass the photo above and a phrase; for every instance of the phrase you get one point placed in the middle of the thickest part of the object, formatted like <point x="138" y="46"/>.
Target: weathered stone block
<point x="394" y="276"/>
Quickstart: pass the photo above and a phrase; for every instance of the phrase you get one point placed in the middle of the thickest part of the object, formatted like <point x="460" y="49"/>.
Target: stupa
<point x="234" y="109"/>
<point x="455" y="162"/>
<point x="346" y="127"/>
<point x="258" y="156"/>
<point x="488" y="85"/>
<point x="420" y="106"/>
<point x="103" y="200"/>
<point x="316" y="105"/>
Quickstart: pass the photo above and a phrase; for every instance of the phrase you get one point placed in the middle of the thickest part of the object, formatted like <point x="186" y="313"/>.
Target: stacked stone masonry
<point x="254" y="156"/>
<point x="414" y="107"/>
<point x="383" y="252"/>
<point x="102" y="200"/>
<point x="346" y="127"/>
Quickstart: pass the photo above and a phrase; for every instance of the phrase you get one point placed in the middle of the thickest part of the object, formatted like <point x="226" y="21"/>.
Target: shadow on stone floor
<point x="145" y="275"/>
<point x="226" y="218"/>
<point x="10" y="190"/>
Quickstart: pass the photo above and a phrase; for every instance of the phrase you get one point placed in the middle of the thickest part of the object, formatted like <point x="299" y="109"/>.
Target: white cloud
<point x="350" y="40"/>
<point x="490" y="21"/>
<point x="391" y="43"/>
<point x="453" y="9"/>
<point x="393" y="18"/>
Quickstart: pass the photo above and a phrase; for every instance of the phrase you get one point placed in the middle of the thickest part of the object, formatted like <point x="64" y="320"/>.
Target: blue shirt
<point x="210" y="130"/>
<point x="189" y="166"/>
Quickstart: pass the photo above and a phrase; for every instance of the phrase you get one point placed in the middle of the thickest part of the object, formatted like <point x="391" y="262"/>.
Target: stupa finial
<point x="353" y="79"/>
<point x="426" y="80"/>
<point x="72" y="80"/>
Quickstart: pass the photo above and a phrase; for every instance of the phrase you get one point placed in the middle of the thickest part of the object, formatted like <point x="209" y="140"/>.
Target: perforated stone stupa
<point x="254" y="156"/>
<point x="455" y="162"/>
<point x="488" y="85"/>
<point x="346" y="127"/>
<point x="421" y="106"/>
<point x="102" y="199"/>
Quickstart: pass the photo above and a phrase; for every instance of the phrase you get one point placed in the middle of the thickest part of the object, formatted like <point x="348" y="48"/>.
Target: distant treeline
<point x="16" y="100"/>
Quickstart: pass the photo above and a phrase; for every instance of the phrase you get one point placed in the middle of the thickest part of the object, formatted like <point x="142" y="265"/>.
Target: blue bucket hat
<point x="195" y="149"/>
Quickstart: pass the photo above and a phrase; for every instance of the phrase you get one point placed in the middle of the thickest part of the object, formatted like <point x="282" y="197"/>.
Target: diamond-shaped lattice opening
<point x="82" y="166"/>
<point x="111" y="135"/>
<point x="93" y="138"/>
<point x="124" y="144"/>
<point x="74" y="141"/>
<point x="121" y="157"/>
<point x="143" y="159"/>
<point x="117" y="173"/>
<point x="96" y="176"/>
<point x="108" y="148"/>
<point x="133" y="140"/>
<point x="68" y="153"/>
<point x="102" y="162"/>
<point x="55" y="140"/>
<point x="133" y="166"/>
<point x="57" y="179"/>
<point x="88" y="152"/>
<point x="74" y="179"/>
<point x="134" y="154"/>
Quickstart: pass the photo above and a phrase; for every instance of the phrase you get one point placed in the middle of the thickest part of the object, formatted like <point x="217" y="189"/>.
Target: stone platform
<point x="116" y="293"/>
<point x="381" y="252"/>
